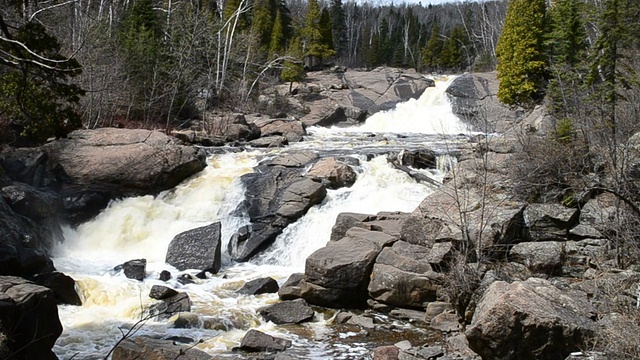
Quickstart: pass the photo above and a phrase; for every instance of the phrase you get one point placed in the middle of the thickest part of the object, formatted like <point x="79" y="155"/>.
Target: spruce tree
<point x="325" y="29"/>
<point x="314" y="47"/>
<point x="277" y="36"/>
<point x="338" y="28"/>
<point x="431" y="53"/>
<point x="293" y="67"/>
<point x="520" y="53"/>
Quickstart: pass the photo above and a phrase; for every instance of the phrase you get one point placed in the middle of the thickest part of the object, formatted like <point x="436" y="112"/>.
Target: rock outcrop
<point x="333" y="173"/>
<point x="276" y="195"/>
<point x="326" y="98"/>
<point x="28" y="319"/>
<point x="92" y="167"/>
<point x="530" y="320"/>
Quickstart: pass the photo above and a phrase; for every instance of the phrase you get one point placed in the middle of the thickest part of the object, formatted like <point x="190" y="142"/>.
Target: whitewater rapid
<point x="142" y="227"/>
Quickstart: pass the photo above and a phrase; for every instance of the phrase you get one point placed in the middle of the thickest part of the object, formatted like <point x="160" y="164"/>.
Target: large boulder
<point x="292" y="130"/>
<point x="474" y="204"/>
<point x="276" y="195"/>
<point x="28" y="318"/>
<point x="42" y="207"/>
<point x="255" y="341"/>
<point x="259" y="286"/>
<point x="549" y="221"/>
<point x="144" y="347"/>
<point x="339" y="273"/>
<point x="119" y="162"/>
<point x="545" y="257"/>
<point x="403" y="279"/>
<point x="231" y="127"/>
<point x="196" y="249"/>
<point x="63" y="286"/>
<point x="530" y="320"/>
<point x="333" y="173"/>
<point x="288" y="312"/>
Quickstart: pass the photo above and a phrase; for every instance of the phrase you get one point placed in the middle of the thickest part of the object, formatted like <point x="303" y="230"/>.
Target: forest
<point x="64" y="64"/>
<point x="152" y="63"/>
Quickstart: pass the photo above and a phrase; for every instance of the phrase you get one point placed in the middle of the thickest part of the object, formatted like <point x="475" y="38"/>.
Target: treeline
<point x="155" y="63"/>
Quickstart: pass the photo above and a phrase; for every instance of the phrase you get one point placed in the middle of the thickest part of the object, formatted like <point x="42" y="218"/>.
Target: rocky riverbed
<point x="468" y="272"/>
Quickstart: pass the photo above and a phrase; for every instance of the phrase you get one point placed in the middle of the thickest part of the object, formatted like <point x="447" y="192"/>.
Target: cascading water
<point x="142" y="227"/>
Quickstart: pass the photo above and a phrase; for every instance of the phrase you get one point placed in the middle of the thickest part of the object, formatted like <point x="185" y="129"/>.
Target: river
<point x="142" y="227"/>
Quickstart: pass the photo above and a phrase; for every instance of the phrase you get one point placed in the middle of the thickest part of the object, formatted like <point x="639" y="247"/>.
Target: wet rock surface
<point x="198" y="248"/>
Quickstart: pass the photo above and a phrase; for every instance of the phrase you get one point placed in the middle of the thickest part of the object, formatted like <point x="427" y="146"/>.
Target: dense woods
<point x="157" y="63"/>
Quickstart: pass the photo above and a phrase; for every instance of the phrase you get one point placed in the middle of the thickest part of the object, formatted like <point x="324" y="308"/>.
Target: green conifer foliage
<point x="293" y="68"/>
<point x="277" y="36"/>
<point x="520" y="53"/>
<point x="36" y="92"/>
<point x="338" y="28"/>
<point x="431" y="53"/>
<point x="262" y="23"/>
<point x="452" y="56"/>
<point x="312" y="35"/>
<point x="325" y="28"/>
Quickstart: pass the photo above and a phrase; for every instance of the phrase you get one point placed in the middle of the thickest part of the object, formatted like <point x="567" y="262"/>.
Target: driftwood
<point x="416" y="175"/>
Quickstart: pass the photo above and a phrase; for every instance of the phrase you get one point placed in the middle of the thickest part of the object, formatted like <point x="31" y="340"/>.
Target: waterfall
<point x="142" y="227"/>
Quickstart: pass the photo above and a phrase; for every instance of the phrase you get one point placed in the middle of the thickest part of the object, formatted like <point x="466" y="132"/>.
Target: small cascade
<point x="411" y="117"/>
<point x="379" y="188"/>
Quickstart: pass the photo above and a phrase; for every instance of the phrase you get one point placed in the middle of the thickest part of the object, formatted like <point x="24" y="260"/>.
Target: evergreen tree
<point x="566" y="46"/>
<point x="262" y="23"/>
<point x="520" y="53"/>
<point x="36" y="93"/>
<point x="142" y="42"/>
<point x="293" y="67"/>
<point x="326" y="29"/>
<point x="609" y="75"/>
<point x="314" y="47"/>
<point x="338" y="28"/>
<point x="431" y="52"/>
<point x="452" y="56"/>
<point x="277" y="36"/>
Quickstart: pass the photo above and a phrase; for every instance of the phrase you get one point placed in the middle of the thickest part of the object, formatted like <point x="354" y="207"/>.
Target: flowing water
<point x="142" y="227"/>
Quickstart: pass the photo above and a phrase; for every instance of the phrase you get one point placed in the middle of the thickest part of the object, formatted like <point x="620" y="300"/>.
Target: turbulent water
<point x="142" y="227"/>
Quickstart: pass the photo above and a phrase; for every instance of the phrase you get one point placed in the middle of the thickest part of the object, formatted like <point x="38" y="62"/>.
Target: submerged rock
<point x="160" y="292"/>
<point x="196" y="249"/>
<point x="255" y="341"/>
<point x="134" y="269"/>
<point x="172" y="305"/>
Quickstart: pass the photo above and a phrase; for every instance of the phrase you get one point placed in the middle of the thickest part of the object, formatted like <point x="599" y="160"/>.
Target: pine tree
<point x="36" y="92"/>
<point x="520" y="53"/>
<point x="452" y="56"/>
<point x="262" y="23"/>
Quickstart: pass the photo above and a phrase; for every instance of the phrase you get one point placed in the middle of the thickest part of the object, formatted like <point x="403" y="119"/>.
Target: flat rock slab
<point x="288" y="312"/>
